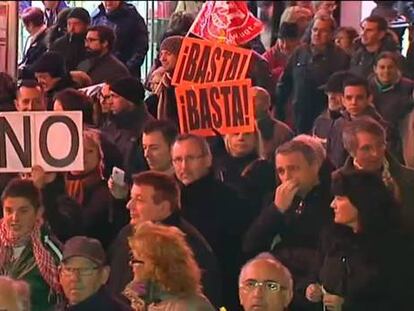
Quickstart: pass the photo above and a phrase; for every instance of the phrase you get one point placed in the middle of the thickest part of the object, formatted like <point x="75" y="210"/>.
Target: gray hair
<point x="199" y="140"/>
<point x="309" y="152"/>
<point x="272" y="260"/>
<point x="361" y="124"/>
<point x="315" y="144"/>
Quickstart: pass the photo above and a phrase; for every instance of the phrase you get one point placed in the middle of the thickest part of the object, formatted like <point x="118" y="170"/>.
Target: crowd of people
<point x="313" y="210"/>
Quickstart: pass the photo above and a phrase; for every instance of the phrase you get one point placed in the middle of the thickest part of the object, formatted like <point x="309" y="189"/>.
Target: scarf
<point x="77" y="185"/>
<point x="44" y="260"/>
<point x="161" y="91"/>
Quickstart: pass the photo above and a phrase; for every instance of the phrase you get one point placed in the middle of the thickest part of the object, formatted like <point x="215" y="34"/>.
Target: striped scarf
<point x="44" y="260"/>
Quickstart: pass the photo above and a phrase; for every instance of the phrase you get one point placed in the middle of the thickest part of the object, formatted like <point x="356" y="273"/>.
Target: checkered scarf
<point x="43" y="258"/>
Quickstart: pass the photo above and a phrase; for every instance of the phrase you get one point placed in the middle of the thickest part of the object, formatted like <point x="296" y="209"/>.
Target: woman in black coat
<point x="362" y="256"/>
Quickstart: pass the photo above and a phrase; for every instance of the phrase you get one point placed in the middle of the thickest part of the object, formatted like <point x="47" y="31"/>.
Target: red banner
<point x="226" y="21"/>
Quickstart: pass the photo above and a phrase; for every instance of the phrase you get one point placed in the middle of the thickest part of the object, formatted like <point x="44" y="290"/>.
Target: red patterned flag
<point x="226" y="21"/>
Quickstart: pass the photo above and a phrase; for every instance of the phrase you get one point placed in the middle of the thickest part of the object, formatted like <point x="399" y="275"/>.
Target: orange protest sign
<point x="203" y="61"/>
<point x="226" y="107"/>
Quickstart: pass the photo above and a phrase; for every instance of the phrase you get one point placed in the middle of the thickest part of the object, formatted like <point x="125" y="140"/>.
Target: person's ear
<point x="165" y="207"/>
<point x="288" y="296"/>
<point x="105" y="272"/>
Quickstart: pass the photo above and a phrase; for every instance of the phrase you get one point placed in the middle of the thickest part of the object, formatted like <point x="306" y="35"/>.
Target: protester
<point x="59" y="29"/>
<point x="310" y="67"/>
<point x="101" y="65"/>
<point x="154" y="80"/>
<point x="14" y="295"/>
<point x="8" y="92"/>
<point x="73" y="100"/>
<point x="273" y="280"/>
<point x="83" y="273"/>
<point x="28" y="251"/>
<point x="35" y="45"/>
<point x="345" y="37"/>
<point x="155" y="197"/>
<point x="52" y="11"/>
<point x="155" y="248"/>
<point x="366" y="220"/>
<point x="290" y="225"/>
<point x="50" y="71"/>
<point x="131" y="33"/>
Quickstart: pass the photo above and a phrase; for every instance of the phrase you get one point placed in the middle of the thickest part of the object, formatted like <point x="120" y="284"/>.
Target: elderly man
<point x="364" y="139"/>
<point x="82" y="273"/>
<point x="27" y="250"/>
<point x="265" y="284"/>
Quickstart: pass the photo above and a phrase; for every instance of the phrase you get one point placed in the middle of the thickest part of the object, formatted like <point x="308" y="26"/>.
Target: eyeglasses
<point x="68" y="271"/>
<point x="189" y="159"/>
<point x="270" y="286"/>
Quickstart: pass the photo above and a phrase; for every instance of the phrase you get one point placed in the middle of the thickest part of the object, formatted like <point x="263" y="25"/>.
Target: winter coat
<point x="106" y="68"/>
<point x="305" y="72"/>
<point x="119" y="255"/>
<point x="33" y="53"/>
<point x="72" y="48"/>
<point x="131" y="33"/>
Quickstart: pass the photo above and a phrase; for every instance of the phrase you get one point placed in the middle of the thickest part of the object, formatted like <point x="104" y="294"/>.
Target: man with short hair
<point x="290" y="225"/>
<point x="205" y="198"/>
<point x="156" y="197"/>
<point x="365" y="140"/>
<point x="374" y="39"/>
<point x="308" y="68"/>
<point x="158" y="137"/>
<point x="72" y="45"/>
<point x="27" y="250"/>
<point x="265" y="284"/>
<point x="83" y="273"/>
<point x="126" y="121"/>
<point x="35" y="45"/>
<point x="101" y="65"/>
<point x="131" y="33"/>
<point x="30" y="96"/>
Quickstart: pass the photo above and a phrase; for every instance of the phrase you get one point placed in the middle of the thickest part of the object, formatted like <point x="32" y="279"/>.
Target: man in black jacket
<point x="309" y="67"/>
<point x="291" y="224"/>
<point x="155" y="197"/>
<point x="82" y="275"/>
<point x="131" y="33"/>
<point x="72" y="45"/>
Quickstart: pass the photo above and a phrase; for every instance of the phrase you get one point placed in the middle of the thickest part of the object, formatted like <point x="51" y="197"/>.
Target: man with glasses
<point x="265" y="284"/>
<point x="82" y="273"/>
<point x="101" y="65"/>
<point x="364" y="139"/>
<point x="211" y="206"/>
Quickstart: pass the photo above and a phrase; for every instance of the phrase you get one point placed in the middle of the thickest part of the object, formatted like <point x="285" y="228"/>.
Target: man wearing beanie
<point x="131" y="33"/>
<point x="50" y="72"/>
<point x="72" y="45"/>
<point x="167" y="105"/>
<point x="128" y="115"/>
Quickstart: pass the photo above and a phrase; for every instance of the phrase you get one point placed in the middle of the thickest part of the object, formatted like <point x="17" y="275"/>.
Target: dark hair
<point x="7" y="87"/>
<point x="22" y="188"/>
<point x="350" y="32"/>
<point x="326" y="18"/>
<point x="377" y="207"/>
<point x="354" y="80"/>
<point x="357" y="125"/>
<point x="73" y="100"/>
<point x="389" y="55"/>
<point x="180" y="22"/>
<point x="381" y="22"/>
<point x="105" y="33"/>
<point x="33" y="15"/>
<point x="165" y="187"/>
<point x="167" y="128"/>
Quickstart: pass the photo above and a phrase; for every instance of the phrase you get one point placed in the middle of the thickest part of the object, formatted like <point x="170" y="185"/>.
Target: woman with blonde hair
<point x="166" y="275"/>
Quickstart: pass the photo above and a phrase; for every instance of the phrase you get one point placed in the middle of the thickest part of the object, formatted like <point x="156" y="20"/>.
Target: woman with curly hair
<point x="166" y="275"/>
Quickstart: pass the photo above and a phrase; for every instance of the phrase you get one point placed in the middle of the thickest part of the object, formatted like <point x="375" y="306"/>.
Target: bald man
<point x="265" y="284"/>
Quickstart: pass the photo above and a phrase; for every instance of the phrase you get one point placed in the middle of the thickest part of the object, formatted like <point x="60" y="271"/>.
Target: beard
<point x="92" y="53"/>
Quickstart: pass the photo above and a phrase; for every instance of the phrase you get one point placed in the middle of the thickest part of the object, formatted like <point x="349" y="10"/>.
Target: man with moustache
<point x="101" y="65"/>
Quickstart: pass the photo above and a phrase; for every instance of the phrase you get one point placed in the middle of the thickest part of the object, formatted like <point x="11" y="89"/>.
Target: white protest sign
<point x="52" y="140"/>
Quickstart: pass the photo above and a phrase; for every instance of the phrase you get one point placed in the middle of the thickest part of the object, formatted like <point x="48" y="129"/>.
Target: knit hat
<point x="129" y="88"/>
<point x="52" y="63"/>
<point x="172" y="44"/>
<point x="81" y="14"/>
<point x="81" y="246"/>
<point x="288" y="31"/>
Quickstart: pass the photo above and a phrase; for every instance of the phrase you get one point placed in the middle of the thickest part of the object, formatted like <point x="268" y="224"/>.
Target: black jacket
<point x="101" y="300"/>
<point x="370" y="273"/>
<point x="131" y="43"/>
<point x="106" y="68"/>
<point x="124" y="130"/>
<point x="63" y="83"/>
<point x="72" y="48"/>
<point x="305" y="72"/>
<point x="33" y="53"/>
<point x="119" y="255"/>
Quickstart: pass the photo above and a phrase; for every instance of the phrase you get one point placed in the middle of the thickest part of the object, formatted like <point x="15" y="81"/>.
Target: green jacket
<point x="25" y="269"/>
